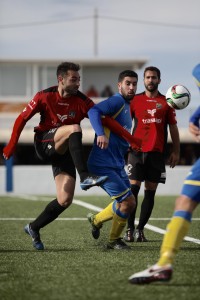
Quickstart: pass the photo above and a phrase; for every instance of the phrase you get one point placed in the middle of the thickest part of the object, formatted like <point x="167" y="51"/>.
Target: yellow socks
<point x="118" y="223"/>
<point x="106" y="214"/>
<point x="176" y="231"/>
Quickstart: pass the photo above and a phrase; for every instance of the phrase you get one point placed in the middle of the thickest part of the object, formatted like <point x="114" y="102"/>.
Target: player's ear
<point x="60" y="78"/>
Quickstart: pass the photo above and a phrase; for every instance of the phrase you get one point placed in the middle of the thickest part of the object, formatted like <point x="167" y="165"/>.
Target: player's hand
<point x="173" y="159"/>
<point x="102" y="141"/>
<point x="8" y="151"/>
<point x="195" y="131"/>
<point x="136" y="144"/>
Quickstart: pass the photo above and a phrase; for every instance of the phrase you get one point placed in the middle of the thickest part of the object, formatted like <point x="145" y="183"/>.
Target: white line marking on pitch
<point x="98" y="209"/>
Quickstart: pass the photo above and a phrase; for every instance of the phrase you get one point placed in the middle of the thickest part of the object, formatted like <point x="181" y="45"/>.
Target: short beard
<point x="71" y="92"/>
<point x="153" y="89"/>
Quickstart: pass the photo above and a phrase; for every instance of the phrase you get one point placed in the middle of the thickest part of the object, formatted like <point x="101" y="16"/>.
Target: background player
<point x="151" y="116"/>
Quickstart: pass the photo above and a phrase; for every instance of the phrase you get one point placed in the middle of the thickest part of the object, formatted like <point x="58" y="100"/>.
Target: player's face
<point x="70" y="82"/>
<point x="151" y="81"/>
<point x="127" y="88"/>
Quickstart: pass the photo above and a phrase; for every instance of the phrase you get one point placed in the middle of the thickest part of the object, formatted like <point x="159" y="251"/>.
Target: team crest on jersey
<point x="158" y="105"/>
<point x="72" y="114"/>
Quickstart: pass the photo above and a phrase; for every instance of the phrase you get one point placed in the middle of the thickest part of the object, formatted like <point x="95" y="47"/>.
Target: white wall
<point x="39" y="180"/>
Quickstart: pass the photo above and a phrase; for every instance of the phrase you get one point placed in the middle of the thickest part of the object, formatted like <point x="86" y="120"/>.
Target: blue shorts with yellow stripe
<point x="117" y="185"/>
<point x="191" y="185"/>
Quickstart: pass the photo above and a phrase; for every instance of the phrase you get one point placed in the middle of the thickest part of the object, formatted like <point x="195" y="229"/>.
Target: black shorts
<point x="148" y="166"/>
<point x="45" y="149"/>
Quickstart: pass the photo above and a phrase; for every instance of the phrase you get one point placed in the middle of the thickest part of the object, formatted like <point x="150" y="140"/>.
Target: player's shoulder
<point x="161" y="96"/>
<point x="84" y="99"/>
<point x="52" y="89"/>
<point x="138" y="96"/>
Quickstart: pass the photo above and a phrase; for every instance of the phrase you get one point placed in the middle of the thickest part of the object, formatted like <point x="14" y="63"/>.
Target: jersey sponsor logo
<point x="61" y="103"/>
<point x="71" y="115"/>
<point x="62" y="118"/>
<point x="152" y="120"/>
<point x="151" y="112"/>
<point x="151" y="100"/>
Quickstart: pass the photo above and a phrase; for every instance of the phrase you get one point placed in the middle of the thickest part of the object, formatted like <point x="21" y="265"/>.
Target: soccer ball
<point x="178" y="96"/>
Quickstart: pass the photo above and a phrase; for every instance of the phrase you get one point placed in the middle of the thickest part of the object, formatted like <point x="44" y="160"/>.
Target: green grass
<point x="74" y="266"/>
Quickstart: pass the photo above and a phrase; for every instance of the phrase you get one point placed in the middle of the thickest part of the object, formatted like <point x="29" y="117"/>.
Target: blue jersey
<point x="195" y="117"/>
<point x="191" y="186"/>
<point x="113" y="156"/>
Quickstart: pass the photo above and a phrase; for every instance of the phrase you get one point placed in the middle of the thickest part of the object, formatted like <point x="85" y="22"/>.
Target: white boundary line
<point x="94" y="208"/>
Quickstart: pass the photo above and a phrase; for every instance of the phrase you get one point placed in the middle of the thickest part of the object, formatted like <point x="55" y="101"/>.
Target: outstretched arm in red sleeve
<point x="17" y="129"/>
<point x="115" y="127"/>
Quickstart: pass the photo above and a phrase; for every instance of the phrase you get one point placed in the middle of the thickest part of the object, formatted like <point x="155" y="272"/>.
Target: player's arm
<point x="115" y="127"/>
<point x="175" y="155"/>
<point x="17" y="129"/>
<point x="30" y="110"/>
<point x="95" y="115"/>
<point x="194" y="126"/>
<point x="99" y="117"/>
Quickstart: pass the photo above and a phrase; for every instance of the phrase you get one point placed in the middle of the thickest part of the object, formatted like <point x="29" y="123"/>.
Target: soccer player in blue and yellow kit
<point x="107" y="158"/>
<point x="179" y="225"/>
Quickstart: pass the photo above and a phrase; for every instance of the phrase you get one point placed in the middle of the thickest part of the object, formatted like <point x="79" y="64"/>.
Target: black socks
<point x="76" y="151"/>
<point x="131" y="220"/>
<point x="50" y="213"/>
<point x="146" y="208"/>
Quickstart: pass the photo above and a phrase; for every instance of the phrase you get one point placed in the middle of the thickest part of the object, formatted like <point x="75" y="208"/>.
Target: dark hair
<point x="127" y="73"/>
<point x="153" y="69"/>
<point x="64" y="67"/>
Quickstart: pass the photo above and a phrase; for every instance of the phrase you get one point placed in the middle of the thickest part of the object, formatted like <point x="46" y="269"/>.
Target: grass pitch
<point x="75" y="266"/>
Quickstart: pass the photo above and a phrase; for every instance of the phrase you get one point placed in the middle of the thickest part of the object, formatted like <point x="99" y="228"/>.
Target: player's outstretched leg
<point x="37" y="243"/>
<point x="91" y="181"/>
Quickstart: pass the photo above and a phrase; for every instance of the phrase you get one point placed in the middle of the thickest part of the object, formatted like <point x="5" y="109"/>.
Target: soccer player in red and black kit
<point x="58" y="139"/>
<point x="152" y="115"/>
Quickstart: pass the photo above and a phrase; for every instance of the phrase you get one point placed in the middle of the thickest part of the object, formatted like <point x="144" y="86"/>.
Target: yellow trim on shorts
<point x="123" y="193"/>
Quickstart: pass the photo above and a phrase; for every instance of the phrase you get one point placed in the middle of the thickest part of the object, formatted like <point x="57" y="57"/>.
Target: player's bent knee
<point x="65" y="202"/>
<point x="76" y="128"/>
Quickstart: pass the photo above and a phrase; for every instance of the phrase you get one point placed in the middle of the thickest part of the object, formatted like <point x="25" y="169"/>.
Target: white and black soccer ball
<point x="178" y="96"/>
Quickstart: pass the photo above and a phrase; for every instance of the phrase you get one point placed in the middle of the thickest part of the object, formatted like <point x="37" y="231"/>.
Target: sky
<point x="166" y="33"/>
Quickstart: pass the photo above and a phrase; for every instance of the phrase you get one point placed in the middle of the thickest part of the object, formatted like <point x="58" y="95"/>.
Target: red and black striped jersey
<point x="151" y="117"/>
<point x="56" y="111"/>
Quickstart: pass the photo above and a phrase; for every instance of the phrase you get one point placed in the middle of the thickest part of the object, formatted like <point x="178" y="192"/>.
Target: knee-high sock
<point x="106" y="214"/>
<point x="146" y="208"/>
<point x="131" y="219"/>
<point x="49" y="214"/>
<point x="118" y="223"/>
<point x="176" y="231"/>
<point x="76" y="151"/>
